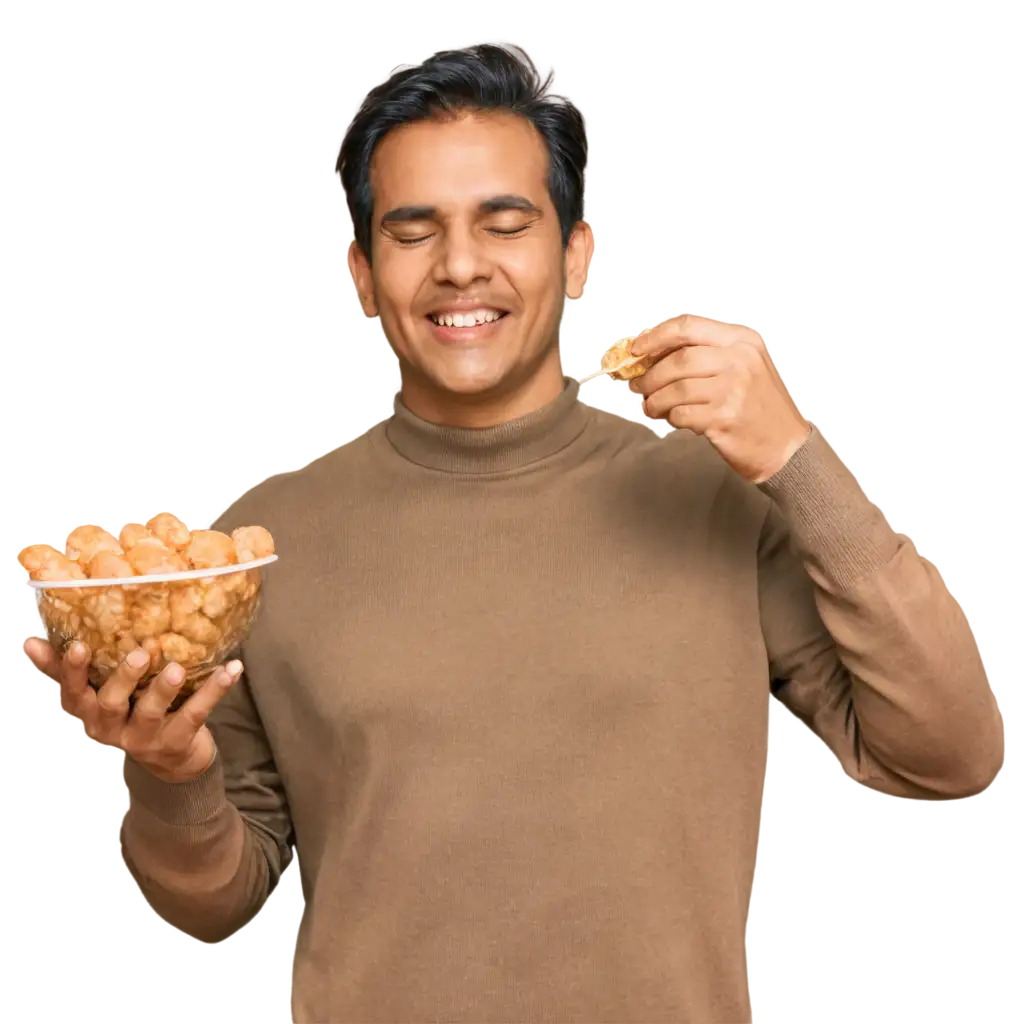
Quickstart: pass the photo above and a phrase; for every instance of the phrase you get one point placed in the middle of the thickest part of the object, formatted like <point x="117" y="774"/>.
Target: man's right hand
<point x="175" y="747"/>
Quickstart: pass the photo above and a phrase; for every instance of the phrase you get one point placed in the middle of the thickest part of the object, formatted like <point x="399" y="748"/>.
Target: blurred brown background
<point x="174" y="320"/>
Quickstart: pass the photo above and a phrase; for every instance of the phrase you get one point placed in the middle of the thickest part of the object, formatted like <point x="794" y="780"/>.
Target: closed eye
<point x="494" y="231"/>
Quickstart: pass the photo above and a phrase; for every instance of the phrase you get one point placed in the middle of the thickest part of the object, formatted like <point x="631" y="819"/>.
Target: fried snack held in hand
<point x="617" y="357"/>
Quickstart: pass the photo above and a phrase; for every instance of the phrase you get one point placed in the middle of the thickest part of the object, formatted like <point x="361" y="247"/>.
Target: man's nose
<point x="462" y="257"/>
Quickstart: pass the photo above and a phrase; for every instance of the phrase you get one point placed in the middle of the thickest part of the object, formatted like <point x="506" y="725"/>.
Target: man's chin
<point x="477" y="382"/>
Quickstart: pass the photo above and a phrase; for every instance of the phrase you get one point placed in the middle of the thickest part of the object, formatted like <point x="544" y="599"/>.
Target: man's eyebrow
<point x="405" y="213"/>
<point x="507" y="202"/>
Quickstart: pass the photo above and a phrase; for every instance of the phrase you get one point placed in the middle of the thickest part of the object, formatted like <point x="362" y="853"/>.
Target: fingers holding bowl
<point x="76" y="694"/>
<point x="41" y="653"/>
<point x="149" y="711"/>
<point x="113" y="698"/>
<point x="184" y="723"/>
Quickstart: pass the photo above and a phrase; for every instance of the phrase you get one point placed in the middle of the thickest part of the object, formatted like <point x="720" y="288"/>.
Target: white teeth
<point x="478" y="316"/>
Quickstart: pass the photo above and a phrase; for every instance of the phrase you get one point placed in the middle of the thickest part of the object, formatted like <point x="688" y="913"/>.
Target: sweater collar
<point x="507" y="446"/>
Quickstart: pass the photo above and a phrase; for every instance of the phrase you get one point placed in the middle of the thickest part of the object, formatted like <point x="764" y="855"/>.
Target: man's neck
<point x="489" y="408"/>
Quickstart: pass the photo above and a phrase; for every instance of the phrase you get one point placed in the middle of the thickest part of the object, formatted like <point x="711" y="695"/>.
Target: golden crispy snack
<point x="194" y="622"/>
<point x="623" y="365"/>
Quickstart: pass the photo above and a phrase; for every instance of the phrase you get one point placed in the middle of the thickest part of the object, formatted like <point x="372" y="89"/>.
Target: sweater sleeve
<point x="207" y="853"/>
<point x="865" y="643"/>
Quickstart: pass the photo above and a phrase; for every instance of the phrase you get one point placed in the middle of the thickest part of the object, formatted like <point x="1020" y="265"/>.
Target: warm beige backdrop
<point x="174" y="320"/>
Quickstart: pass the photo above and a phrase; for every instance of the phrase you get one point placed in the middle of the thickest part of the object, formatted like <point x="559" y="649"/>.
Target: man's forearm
<point x="910" y="700"/>
<point x="840" y="536"/>
<point x="197" y="862"/>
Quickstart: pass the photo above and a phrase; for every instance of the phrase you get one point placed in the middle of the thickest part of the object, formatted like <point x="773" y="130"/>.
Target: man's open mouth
<point x="473" y="318"/>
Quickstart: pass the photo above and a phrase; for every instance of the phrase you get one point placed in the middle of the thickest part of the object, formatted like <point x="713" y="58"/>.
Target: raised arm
<point x="865" y="643"/>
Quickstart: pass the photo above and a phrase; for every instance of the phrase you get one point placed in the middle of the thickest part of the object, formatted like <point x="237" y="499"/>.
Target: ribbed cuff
<point x="830" y="518"/>
<point x="177" y="803"/>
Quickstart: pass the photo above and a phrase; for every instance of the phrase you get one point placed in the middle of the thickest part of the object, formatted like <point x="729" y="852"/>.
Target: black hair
<point x="483" y="79"/>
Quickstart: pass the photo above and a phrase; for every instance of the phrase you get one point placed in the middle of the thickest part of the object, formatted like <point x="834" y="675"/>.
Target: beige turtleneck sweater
<point x="507" y="698"/>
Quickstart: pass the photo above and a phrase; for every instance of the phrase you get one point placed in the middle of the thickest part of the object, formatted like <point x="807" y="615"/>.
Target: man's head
<point x="465" y="185"/>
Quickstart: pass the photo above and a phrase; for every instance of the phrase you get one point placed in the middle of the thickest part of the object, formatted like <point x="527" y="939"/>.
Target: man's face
<point x="463" y="222"/>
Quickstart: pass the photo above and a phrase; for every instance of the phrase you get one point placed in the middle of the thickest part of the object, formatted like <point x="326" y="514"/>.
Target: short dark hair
<point x="483" y="78"/>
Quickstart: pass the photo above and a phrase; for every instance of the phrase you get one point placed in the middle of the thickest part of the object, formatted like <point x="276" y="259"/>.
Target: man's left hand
<point x="718" y="380"/>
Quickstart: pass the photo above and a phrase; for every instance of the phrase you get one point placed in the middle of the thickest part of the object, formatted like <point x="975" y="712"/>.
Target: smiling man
<point x="469" y="274"/>
<point x="507" y="695"/>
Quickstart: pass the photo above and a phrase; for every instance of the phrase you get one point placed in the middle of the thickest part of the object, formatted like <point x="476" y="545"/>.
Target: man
<point x="507" y="695"/>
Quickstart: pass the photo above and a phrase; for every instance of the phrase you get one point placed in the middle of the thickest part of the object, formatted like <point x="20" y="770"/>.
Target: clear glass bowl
<point x="195" y="618"/>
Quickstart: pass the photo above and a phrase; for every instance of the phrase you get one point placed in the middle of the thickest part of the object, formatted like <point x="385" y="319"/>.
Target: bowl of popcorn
<point x="184" y="596"/>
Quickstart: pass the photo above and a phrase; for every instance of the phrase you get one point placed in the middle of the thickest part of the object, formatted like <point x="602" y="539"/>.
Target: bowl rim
<point x="146" y="579"/>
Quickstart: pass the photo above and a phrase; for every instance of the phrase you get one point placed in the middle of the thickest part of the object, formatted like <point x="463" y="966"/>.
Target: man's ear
<point x="362" y="276"/>
<point x="577" y="259"/>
